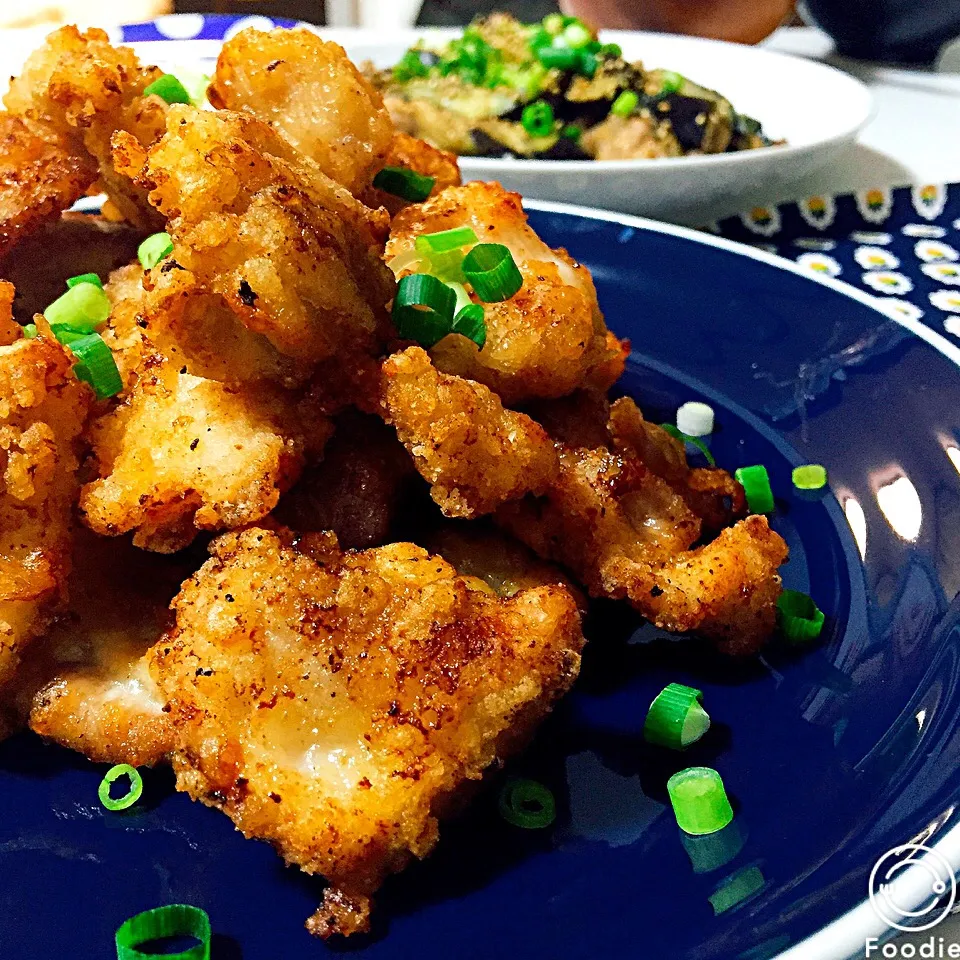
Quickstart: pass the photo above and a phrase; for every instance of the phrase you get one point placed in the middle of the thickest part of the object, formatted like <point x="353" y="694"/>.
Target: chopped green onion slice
<point x="445" y="240"/>
<point x="423" y="309"/>
<point x="169" y="88"/>
<point x="133" y="793"/>
<point x="676" y="719"/>
<point x="30" y="331"/>
<point x="469" y="322"/>
<point x="798" y="617"/>
<point x="85" y="278"/>
<point x="612" y="50"/>
<point x="699" y="800"/>
<point x="811" y="476"/>
<point x="83" y="307"/>
<point x="587" y="63"/>
<point x="537" y="118"/>
<point x="527" y="804"/>
<point x="447" y="266"/>
<point x="686" y="438"/>
<point x="572" y="132"/>
<point x="492" y="272"/>
<point x="405" y="184"/>
<point x="756" y="485"/>
<point x="736" y="888"/>
<point x="154" y="249"/>
<point x="576" y="36"/>
<point x="625" y="104"/>
<point x="695" y="419"/>
<point x="95" y="365"/>
<point x="670" y="82"/>
<point x="175" y="920"/>
<point x="558" y="58"/>
<point x="67" y="335"/>
<point x="463" y="298"/>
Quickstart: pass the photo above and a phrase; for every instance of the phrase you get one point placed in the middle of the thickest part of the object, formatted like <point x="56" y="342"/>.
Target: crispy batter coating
<point x="165" y="312"/>
<point x="42" y="409"/>
<point x="38" y="179"/>
<point x="77" y="90"/>
<point x="475" y="453"/>
<point x="359" y="487"/>
<point x="711" y="493"/>
<point x="91" y="688"/>
<point x="334" y="704"/>
<point x="417" y="155"/>
<point x="183" y="454"/>
<point x="292" y="253"/>
<point x="626" y="534"/>
<point x="547" y="339"/>
<point x="309" y="90"/>
<point x="10" y="330"/>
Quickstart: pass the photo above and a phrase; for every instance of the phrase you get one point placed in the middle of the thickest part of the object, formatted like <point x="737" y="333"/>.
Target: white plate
<point x="817" y="109"/>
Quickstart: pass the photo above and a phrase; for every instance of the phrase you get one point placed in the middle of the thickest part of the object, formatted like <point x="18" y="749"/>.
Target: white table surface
<point x="914" y="136"/>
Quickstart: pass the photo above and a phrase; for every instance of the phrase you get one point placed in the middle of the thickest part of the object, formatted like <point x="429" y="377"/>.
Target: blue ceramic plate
<point x="832" y="756"/>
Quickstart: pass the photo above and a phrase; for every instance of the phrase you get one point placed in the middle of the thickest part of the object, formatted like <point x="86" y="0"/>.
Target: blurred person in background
<point x="906" y="31"/>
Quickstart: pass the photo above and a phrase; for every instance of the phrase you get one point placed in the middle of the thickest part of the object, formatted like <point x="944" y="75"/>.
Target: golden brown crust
<point x="42" y="410"/>
<point x="334" y="705"/>
<point x="77" y="90"/>
<point x="38" y="179"/>
<point x="311" y="93"/>
<point x="183" y="454"/>
<point x="546" y="340"/>
<point x="475" y="453"/>
<point x="292" y="253"/>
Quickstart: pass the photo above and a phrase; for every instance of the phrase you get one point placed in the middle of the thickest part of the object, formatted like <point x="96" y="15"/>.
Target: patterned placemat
<point x="901" y="246"/>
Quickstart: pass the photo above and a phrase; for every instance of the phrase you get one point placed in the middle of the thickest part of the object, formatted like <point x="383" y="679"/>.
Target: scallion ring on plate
<point x="798" y="617"/>
<point x="174" y="920"/>
<point x="470" y="323"/>
<point x="756" y="485"/>
<point x="492" y="271"/>
<point x="85" y="278"/>
<point x="430" y="243"/>
<point x="527" y="804"/>
<point x="169" y="88"/>
<point x="810" y="476"/>
<point x="134" y="791"/>
<point x="676" y="718"/>
<point x="699" y="800"/>
<point x="83" y="307"/>
<point x="154" y="249"/>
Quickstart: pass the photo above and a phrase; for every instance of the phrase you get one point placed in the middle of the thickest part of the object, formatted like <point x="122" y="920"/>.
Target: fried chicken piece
<point x="76" y="91"/>
<point x="38" y="179"/>
<point x="546" y="340"/>
<point x="74" y="243"/>
<point x="359" y="487"/>
<point x="308" y="90"/>
<point x="475" y="453"/>
<point x="91" y="688"/>
<point x="336" y="703"/>
<point x="412" y="154"/>
<point x="183" y="454"/>
<point x="711" y="493"/>
<point x="42" y="410"/>
<point x="292" y="253"/>
<point x="626" y="534"/>
<point x="165" y="312"/>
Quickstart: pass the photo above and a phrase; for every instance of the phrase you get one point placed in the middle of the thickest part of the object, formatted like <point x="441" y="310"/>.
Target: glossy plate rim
<point x="844" y="937"/>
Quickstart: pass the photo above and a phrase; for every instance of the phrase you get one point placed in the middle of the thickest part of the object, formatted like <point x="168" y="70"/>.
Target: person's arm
<point x="745" y="21"/>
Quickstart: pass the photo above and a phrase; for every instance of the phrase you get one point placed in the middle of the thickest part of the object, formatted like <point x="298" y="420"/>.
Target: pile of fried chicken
<point x="353" y="653"/>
